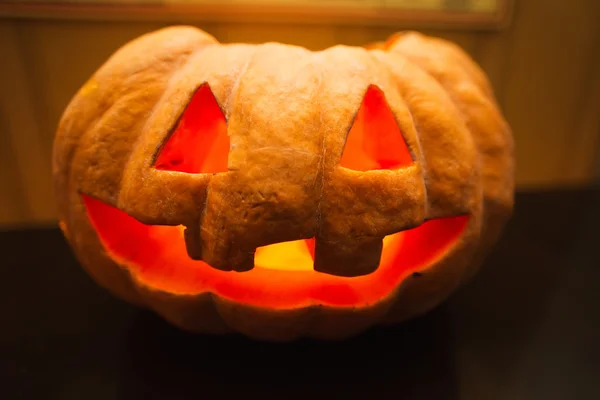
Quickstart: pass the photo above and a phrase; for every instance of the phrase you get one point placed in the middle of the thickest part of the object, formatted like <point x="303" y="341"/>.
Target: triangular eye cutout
<point x="199" y="143"/>
<point x="375" y="141"/>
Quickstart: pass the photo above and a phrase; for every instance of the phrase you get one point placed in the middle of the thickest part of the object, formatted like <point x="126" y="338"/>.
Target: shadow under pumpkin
<point x="415" y="360"/>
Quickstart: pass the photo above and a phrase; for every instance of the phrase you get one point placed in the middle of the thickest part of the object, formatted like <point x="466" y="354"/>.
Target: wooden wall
<point x="545" y="68"/>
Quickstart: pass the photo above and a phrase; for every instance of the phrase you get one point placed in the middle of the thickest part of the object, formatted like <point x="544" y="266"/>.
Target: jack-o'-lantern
<point x="280" y="192"/>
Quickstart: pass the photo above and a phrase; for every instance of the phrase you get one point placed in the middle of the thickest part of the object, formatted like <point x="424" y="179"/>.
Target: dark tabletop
<point x="527" y="327"/>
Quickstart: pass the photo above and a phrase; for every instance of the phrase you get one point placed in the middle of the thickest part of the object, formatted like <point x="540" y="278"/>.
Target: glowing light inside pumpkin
<point x="157" y="256"/>
<point x="296" y="255"/>
<point x="283" y="276"/>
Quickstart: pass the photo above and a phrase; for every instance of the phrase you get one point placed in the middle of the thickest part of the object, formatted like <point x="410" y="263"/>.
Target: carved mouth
<point x="283" y="276"/>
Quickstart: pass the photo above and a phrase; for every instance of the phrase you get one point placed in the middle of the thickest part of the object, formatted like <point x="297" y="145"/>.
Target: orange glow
<point x="199" y="143"/>
<point x="288" y="256"/>
<point x="375" y="140"/>
<point x="157" y="256"/>
<point x="283" y="276"/>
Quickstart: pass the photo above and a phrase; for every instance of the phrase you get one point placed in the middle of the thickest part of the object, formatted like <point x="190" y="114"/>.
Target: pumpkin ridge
<point x="460" y="131"/>
<point x="67" y="120"/>
<point x="492" y="138"/>
<point x="475" y="100"/>
<point x="321" y="172"/>
<point x="234" y="92"/>
<point x="174" y="60"/>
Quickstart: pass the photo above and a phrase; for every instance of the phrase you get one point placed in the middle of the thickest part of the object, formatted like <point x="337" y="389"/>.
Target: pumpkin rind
<point x="97" y="131"/>
<point x="472" y="94"/>
<point x="109" y="135"/>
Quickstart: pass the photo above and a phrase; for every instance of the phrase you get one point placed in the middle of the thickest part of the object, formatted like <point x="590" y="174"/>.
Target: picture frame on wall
<point x="459" y="14"/>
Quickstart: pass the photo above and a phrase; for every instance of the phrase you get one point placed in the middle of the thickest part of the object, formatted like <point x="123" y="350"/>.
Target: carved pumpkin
<point x="280" y="192"/>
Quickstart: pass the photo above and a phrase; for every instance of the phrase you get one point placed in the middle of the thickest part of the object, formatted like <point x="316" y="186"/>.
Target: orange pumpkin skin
<point x="289" y="115"/>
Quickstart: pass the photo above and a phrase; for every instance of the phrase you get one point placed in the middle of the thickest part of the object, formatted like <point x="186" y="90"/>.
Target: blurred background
<point x="527" y="327"/>
<point x="542" y="57"/>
